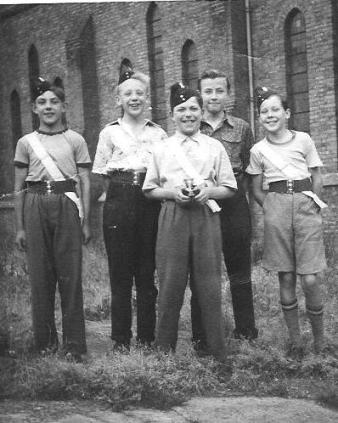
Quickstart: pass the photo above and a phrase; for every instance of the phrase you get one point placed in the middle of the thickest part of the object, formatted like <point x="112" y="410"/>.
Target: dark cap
<point x="126" y="71"/>
<point x="40" y="86"/>
<point x="180" y="94"/>
<point x="263" y="93"/>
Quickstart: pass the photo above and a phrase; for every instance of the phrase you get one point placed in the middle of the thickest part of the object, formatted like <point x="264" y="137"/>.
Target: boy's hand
<point x="20" y="240"/>
<point x="86" y="233"/>
<point x="179" y="197"/>
<point x="203" y="196"/>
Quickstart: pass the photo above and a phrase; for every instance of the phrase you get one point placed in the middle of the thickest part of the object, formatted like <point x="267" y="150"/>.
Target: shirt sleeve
<point x="224" y="174"/>
<point x="21" y="158"/>
<point x="255" y="164"/>
<point x="82" y="157"/>
<point x="311" y="155"/>
<point x="152" y="179"/>
<point x="104" y="153"/>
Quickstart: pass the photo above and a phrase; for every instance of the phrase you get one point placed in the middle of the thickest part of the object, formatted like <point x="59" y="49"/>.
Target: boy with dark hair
<point x="188" y="173"/>
<point x="129" y="219"/>
<point x="237" y="139"/>
<point x="52" y="196"/>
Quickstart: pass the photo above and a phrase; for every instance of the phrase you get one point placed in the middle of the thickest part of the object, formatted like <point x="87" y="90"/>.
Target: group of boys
<point x="174" y="203"/>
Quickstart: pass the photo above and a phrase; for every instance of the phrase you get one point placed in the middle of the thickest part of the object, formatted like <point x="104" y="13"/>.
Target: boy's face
<point x="132" y="96"/>
<point x="272" y="114"/>
<point x="214" y="93"/>
<point x="49" y="109"/>
<point x="187" y="116"/>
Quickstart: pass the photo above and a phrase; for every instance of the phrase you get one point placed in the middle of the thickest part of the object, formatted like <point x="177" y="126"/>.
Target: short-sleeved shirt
<point x="236" y="136"/>
<point x="68" y="149"/>
<point x="300" y="152"/>
<point x="118" y="148"/>
<point x="207" y="156"/>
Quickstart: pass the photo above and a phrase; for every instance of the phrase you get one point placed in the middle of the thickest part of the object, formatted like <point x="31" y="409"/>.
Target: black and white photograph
<point x="168" y="211"/>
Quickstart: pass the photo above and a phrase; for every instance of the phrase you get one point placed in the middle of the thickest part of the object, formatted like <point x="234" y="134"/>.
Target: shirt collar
<point x="227" y="120"/>
<point x="181" y="137"/>
<point x="146" y="122"/>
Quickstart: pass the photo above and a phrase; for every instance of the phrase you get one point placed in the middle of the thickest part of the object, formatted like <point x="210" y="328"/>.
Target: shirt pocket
<point x="232" y="145"/>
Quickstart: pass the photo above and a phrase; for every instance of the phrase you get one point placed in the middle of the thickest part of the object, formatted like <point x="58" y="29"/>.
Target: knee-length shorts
<point x="293" y="236"/>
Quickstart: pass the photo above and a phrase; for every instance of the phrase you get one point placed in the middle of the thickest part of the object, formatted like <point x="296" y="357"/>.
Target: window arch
<point x="15" y="118"/>
<point x="189" y="64"/>
<point x="34" y="73"/>
<point x="155" y="56"/>
<point x="296" y="70"/>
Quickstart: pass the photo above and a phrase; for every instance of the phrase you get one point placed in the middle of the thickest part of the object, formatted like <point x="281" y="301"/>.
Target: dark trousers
<point x="129" y="229"/>
<point x="236" y="237"/>
<point x="54" y="253"/>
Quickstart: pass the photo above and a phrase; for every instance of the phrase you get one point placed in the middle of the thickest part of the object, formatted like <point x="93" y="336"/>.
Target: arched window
<point x="296" y="71"/>
<point x="15" y="118"/>
<point x="155" y="56"/>
<point x="34" y="73"/>
<point x="189" y="65"/>
<point x="58" y="82"/>
<point x="90" y="92"/>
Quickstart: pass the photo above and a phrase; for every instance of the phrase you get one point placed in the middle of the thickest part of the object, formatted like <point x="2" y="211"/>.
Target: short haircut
<point x="213" y="74"/>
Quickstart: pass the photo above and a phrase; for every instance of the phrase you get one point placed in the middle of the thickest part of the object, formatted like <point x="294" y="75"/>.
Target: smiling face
<point x="187" y="116"/>
<point x="132" y="96"/>
<point x="272" y="115"/>
<point x="50" y="109"/>
<point x="215" y="94"/>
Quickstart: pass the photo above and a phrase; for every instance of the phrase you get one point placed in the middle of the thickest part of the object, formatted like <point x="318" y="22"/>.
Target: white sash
<point x="288" y="170"/>
<point x="52" y="168"/>
<point x="192" y="173"/>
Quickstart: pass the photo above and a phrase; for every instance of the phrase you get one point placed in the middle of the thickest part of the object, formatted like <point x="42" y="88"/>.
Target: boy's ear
<point x="34" y="108"/>
<point x="117" y="99"/>
<point x="288" y="113"/>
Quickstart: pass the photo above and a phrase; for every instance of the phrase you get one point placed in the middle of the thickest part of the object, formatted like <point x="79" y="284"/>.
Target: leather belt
<point x="290" y="186"/>
<point x="51" y="187"/>
<point x="127" y="177"/>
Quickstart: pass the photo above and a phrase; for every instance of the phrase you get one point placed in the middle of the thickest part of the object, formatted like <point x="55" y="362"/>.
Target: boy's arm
<point x="257" y="188"/>
<point x="317" y="180"/>
<point x="85" y="199"/>
<point x="20" y="177"/>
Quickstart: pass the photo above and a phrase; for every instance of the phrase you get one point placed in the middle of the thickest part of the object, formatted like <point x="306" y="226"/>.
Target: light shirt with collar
<point x="207" y="156"/>
<point x="119" y="148"/>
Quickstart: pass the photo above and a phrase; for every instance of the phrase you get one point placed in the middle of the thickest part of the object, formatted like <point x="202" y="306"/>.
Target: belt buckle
<point x="290" y="186"/>
<point x="48" y="187"/>
<point x="136" y="180"/>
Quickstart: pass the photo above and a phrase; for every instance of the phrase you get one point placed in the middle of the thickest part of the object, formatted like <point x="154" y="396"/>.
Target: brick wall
<point x="118" y="30"/>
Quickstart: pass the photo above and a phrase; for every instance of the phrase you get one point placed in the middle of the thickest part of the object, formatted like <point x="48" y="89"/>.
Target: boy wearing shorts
<point x="293" y="239"/>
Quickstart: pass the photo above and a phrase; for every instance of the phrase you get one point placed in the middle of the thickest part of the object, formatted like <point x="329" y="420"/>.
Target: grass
<point x="153" y="379"/>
